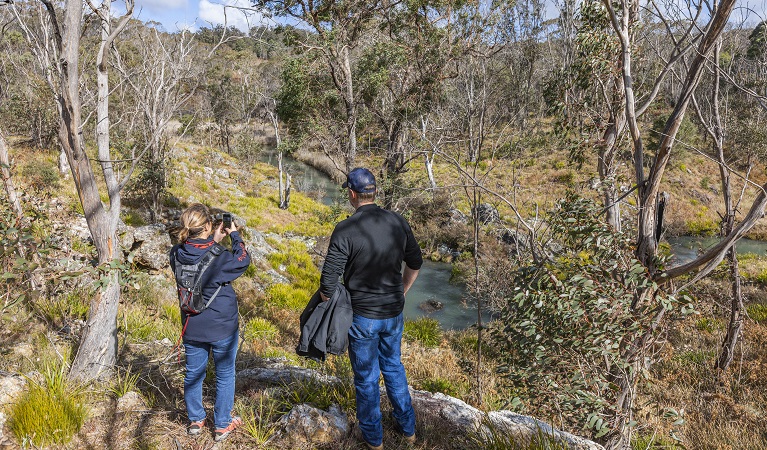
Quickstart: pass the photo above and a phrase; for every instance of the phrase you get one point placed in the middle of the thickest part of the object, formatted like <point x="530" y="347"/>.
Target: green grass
<point x="72" y="305"/>
<point x="442" y="385"/>
<point x="259" y="328"/>
<point x="50" y="413"/>
<point x="707" y="324"/>
<point x="319" y="394"/>
<point x="124" y="381"/>
<point x="259" y="419"/>
<point x="757" y="312"/>
<point x="425" y="331"/>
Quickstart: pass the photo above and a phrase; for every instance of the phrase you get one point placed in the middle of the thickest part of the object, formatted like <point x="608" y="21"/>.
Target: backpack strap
<point x="215" y="250"/>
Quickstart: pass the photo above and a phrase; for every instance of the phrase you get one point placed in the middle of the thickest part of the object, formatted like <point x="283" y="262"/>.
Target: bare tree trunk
<point x="10" y="190"/>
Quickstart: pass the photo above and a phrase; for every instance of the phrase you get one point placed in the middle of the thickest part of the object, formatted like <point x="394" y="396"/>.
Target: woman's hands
<point x="220" y="232"/>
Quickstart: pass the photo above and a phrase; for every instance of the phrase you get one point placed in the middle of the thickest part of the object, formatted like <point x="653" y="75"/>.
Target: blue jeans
<point x="224" y="354"/>
<point x="374" y="349"/>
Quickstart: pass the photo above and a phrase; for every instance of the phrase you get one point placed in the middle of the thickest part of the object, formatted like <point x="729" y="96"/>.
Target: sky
<point x="176" y="15"/>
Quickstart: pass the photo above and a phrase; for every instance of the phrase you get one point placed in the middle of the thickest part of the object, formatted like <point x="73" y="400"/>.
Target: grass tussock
<point x="51" y="412"/>
<point x="424" y="330"/>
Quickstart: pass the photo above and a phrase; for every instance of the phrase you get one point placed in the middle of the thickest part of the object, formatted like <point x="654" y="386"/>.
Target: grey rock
<point x="306" y="424"/>
<point x="130" y="402"/>
<point x="487" y="213"/>
<point x="431" y="305"/>
<point x="278" y="372"/>
<point x="154" y="245"/>
<point x="456" y="216"/>
<point x="466" y="419"/>
<point x="10" y="388"/>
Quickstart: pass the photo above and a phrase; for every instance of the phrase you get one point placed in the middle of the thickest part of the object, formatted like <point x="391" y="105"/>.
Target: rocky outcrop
<point x="152" y="244"/>
<point x="276" y="371"/>
<point x="306" y="426"/>
<point x="461" y="417"/>
<point x="466" y="419"/>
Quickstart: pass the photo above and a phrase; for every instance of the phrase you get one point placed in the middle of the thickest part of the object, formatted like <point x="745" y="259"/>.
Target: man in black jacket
<point x="369" y="248"/>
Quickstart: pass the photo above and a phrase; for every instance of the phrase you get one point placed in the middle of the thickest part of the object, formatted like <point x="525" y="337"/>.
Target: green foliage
<point x="439" y="384"/>
<point x="424" y="330"/>
<point x="132" y="218"/>
<point x="71" y="305"/>
<point x="259" y="419"/>
<point x="493" y="437"/>
<point x="288" y="296"/>
<point x="653" y="442"/>
<point x="571" y="320"/>
<point x="42" y="176"/>
<point x="293" y="259"/>
<point x="757" y="312"/>
<point x="319" y="393"/>
<point x="15" y="269"/>
<point x="124" y="381"/>
<point x="259" y="328"/>
<point x="707" y="324"/>
<point x="49" y="413"/>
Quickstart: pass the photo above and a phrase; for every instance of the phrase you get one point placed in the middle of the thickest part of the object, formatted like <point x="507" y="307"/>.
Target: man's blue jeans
<point x="374" y="349"/>
<point x="224" y="355"/>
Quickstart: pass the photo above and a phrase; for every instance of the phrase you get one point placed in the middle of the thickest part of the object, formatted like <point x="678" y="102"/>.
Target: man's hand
<point x="324" y="297"/>
<point x="408" y="277"/>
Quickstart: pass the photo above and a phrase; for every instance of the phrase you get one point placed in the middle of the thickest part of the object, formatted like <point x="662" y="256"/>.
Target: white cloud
<point x="161" y="5"/>
<point x="237" y="13"/>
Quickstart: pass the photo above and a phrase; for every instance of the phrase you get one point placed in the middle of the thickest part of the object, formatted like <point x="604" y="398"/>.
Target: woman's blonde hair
<point x="193" y="220"/>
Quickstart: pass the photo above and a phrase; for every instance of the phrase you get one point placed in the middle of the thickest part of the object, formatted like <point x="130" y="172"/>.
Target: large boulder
<point x="152" y="245"/>
<point x="465" y="419"/>
<point x="306" y="425"/>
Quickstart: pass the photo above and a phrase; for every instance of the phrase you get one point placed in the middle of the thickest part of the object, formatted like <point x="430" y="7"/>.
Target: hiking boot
<point x="195" y="428"/>
<point x="358" y="435"/>
<point x="223" y="433"/>
<point x="410" y="440"/>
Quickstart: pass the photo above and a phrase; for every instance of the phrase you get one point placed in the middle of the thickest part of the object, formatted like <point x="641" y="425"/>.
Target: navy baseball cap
<point x="360" y="180"/>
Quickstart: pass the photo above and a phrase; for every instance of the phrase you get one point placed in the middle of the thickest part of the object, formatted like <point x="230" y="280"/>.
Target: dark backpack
<point x="188" y="281"/>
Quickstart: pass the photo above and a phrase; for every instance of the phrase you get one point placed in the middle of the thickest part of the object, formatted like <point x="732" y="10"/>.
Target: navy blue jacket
<point x="219" y="320"/>
<point x="325" y="325"/>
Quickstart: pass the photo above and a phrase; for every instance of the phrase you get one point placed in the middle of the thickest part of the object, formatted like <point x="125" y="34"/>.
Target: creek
<point x="433" y="283"/>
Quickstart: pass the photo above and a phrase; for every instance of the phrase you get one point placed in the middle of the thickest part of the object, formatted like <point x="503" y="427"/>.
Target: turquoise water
<point x="687" y="248"/>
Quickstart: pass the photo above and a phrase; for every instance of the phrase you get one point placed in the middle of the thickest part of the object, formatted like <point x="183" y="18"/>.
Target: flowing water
<point x="433" y="281"/>
<point x="687" y="248"/>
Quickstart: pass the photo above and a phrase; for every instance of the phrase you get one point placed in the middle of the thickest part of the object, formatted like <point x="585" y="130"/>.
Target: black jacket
<point x="368" y="248"/>
<point x="325" y="325"/>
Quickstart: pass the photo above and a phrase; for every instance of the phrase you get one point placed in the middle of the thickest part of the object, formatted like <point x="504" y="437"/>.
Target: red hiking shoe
<point x="223" y="433"/>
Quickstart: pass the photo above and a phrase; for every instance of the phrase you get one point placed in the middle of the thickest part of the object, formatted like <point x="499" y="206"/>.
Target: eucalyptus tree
<point x="161" y="74"/>
<point x="401" y="75"/>
<point x="55" y="42"/>
<point x="337" y="30"/>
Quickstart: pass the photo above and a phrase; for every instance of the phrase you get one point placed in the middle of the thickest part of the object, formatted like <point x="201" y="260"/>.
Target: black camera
<point x="225" y="218"/>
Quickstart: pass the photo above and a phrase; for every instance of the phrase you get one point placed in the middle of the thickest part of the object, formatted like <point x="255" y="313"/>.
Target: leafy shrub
<point x="565" y="336"/>
<point x="49" y="413"/>
<point x="424" y="330"/>
<point x="41" y="176"/>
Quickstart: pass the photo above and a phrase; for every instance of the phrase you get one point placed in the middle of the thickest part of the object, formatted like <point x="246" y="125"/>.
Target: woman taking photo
<point x="214" y="329"/>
